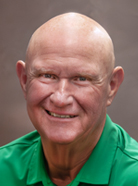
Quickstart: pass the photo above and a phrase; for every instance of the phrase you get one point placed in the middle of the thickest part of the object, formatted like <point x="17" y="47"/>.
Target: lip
<point x="62" y="114"/>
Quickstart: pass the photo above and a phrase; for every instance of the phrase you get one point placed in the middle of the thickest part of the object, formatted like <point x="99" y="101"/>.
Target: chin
<point x="60" y="138"/>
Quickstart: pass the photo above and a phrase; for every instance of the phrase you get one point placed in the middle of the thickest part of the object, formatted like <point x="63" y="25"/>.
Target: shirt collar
<point x="96" y="170"/>
<point x="37" y="167"/>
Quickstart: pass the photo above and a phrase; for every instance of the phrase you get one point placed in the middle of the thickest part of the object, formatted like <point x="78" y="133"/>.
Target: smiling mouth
<point x="59" y="116"/>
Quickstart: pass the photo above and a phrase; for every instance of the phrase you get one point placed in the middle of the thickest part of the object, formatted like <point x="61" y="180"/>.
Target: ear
<point x="21" y="73"/>
<point x="115" y="82"/>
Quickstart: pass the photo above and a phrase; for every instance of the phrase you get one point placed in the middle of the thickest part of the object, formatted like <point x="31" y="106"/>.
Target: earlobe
<point x="115" y="82"/>
<point x="21" y="73"/>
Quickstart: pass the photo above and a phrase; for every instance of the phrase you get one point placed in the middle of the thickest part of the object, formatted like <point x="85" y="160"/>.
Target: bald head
<point x="69" y="71"/>
<point x="76" y="29"/>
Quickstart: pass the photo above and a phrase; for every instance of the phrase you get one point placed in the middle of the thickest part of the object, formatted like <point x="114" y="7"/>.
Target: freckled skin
<point x="69" y="71"/>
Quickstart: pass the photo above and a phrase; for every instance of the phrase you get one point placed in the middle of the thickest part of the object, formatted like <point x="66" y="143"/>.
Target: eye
<point x="82" y="79"/>
<point x="49" y="76"/>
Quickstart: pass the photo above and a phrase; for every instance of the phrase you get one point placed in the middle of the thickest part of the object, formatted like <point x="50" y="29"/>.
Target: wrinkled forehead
<point x="71" y="36"/>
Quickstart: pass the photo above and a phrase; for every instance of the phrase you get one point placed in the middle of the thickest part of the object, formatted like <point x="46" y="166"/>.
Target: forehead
<point x="67" y="62"/>
<point x="68" y="43"/>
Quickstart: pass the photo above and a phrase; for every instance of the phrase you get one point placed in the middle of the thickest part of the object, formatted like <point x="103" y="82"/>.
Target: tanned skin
<point x="68" y="80"/>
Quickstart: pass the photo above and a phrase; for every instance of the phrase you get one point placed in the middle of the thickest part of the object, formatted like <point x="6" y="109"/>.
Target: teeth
<point x="60" y="116"/>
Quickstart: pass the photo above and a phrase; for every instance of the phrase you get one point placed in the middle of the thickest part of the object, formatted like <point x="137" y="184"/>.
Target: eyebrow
<point x="93" y="76"/>
<point x="37" y="70"/>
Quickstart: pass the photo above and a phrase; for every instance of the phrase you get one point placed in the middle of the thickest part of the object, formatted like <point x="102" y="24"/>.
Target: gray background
<point x="19" y="19"/>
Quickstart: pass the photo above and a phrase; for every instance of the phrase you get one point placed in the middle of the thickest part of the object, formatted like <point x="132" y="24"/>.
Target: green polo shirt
<point x="113" y="162"/>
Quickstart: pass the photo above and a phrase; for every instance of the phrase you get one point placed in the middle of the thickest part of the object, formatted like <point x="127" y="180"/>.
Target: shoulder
<point x="125" y="165"/>
<point x="28" y="139"/>
<point x="127" y="145"/>
<point x="19" y="145"/>
<point x="16" y="156"/>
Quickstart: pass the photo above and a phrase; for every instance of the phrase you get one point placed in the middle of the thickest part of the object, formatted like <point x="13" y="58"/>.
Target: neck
<point x="66" y="160"/>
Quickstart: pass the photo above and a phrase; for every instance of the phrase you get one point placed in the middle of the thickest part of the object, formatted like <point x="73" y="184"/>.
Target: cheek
<point x="37" y="92"/>
<point x="90" y="98"/>
<point x="94" y="105"/>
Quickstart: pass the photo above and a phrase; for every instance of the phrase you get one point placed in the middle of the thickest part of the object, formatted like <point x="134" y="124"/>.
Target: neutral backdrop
<point x="20" y="18"/>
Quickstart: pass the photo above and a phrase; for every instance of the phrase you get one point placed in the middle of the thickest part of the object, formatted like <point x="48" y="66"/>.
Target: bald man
<point x="68" y="80"/>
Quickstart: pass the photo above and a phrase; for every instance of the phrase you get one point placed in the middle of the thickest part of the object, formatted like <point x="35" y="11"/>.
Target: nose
<point x="62" y="97"/>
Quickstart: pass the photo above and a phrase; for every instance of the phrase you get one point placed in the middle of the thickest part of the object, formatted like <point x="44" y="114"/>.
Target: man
<point x="68" y="80"/>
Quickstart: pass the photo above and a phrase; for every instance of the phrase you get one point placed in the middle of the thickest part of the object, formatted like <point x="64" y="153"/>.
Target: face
<point x="67" y="91"/>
